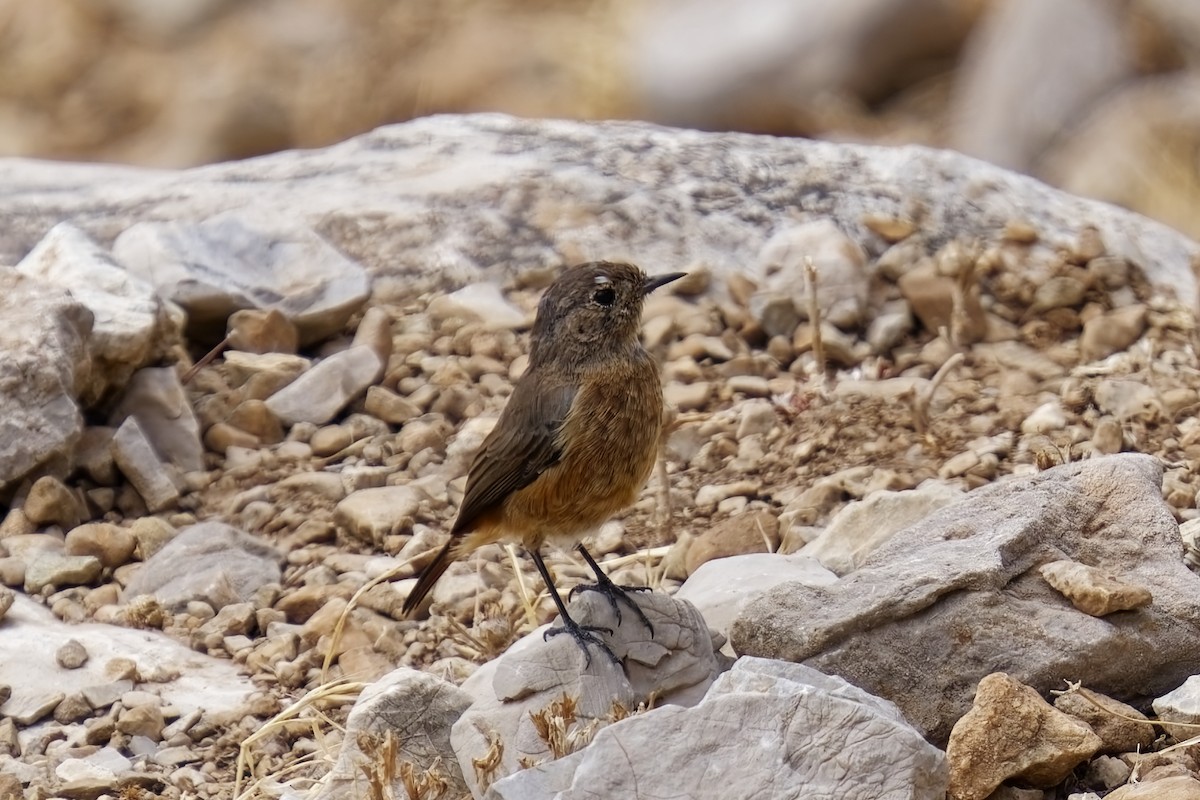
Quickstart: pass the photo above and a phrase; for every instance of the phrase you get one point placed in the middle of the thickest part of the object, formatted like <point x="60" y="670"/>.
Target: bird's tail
<point x="429" y="577"/>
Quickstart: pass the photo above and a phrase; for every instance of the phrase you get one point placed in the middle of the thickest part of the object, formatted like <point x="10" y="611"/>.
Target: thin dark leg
<point x="606" y="587"/>
<point x="582" y="634"/>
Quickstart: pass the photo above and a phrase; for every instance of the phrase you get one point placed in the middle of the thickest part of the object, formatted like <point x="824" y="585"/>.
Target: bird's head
<point x="593" y="309"/>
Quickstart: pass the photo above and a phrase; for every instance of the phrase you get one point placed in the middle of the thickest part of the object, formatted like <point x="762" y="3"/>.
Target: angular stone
<point x="478" y="302"/>
<point x="1094" y="591"/>
<point x="840" y="263"/>
<point x="155" y="397"/>
<point x="242" y="259"/>
<point x="44" y="367"/>
<point x="1011" y="732"/>
<point x="132" y="326"/>
<point x="416" y="711"/>
<point x="257" y="330"/>
<point x="147" y="473"/>
<point x="1112" y="332"/>
<point x="1180" y="705"/>
<point x="209" y="561"/>
<point x="1176" y="787"/>
<point x="963" y="586"/>
<point x="53" y="569"/>
<point x="676" y="664"/>
<point x="371" y="514"/>
<point x="1110" y="719"/>
<point x="319" y="394"/>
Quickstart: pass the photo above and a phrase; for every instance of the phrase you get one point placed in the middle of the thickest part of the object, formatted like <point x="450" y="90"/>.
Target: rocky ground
<point x="256" y="488"/>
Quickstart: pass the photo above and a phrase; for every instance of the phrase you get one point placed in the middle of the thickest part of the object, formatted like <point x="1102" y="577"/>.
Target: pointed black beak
<point x="655" y="281"/>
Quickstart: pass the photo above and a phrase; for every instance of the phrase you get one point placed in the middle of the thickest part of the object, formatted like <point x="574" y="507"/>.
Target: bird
<point x="576" y="441"/>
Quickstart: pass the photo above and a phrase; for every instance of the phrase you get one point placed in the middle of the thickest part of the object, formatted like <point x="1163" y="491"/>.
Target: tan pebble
<point x="1089" y="245"/>
<point x="684" y="370"/>
<point x="890" y="228"/>
<point x="696" y="282"/>
<point x="253" y="417"/>
<point x="259" y="330"/>
<point x="1094" y="591"/>
<point x="687" y="396"/>
<point x="749" y="385"/>
<point x="111" y="544"/>
<point x="1111" y="272"/>
<point x="222" y="436"/>
<point x="330" y="439"/>
<point x="1108" y="437"/>
<point x="389" y="406"/>
<point x="1112" y="332"/>
<point x="50" y="502"/>
<point x="1020" y="231"/>
<point x="741" y="288"/>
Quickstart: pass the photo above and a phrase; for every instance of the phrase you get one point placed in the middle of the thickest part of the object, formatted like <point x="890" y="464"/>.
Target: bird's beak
<point x="655" y="281"/>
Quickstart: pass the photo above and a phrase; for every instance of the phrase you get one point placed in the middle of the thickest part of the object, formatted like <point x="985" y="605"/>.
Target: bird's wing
<point x="522" y="446"/>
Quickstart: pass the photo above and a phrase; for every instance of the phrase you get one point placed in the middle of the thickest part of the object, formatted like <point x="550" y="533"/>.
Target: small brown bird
<point x="577" y="439"/>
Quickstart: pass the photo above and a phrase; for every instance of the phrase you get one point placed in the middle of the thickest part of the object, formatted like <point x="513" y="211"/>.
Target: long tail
<point x="428" y="578"/>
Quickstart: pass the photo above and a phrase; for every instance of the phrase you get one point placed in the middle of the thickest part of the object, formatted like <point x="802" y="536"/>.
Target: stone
<point x="1110" y="719"/>
<point x="6" y="600"/>
<point x="676" y="665"/>
<point x="330" y="439"/>
<point x="50" y="502"/>
<point x="132" y="327"/>
<point x="151" y="534"/>
<point x="1011" y="732"/>
<point x="1094" y="591"/>
<point x="1046" y="418"/>
<point x="332" y="189"/>
<point x="262" y="330"/>
<point x="375" y="331"/>
<point x="768" y="728"/>
<point x="840" y="262"/>
<point x="155" y="397"/>
<point x="1128" y="400"/>
<point x="208" y="561"/>
<point x="1177" y="787"/>
<point x="111" y="544"/>
<point x="972" y="567"/>
<point x="478" y="302"/>
<point x="414" y="710"/>
<point x="319" y="394"/>
<point x="1073" y="52"/>
<point x="260" y="375"/>
<point x="1181" y="704"/>
<point x="929" y="294"/>
<point x="687" y="396"/>
<point x="71" y="655"/>
<point x="390" y="407"/>
<point x="44" y="367"/>
<point x="863" y="525"/>
<point x="721" y="589"/>
<point x="374" y="513"/>
<point x="147" y="472"/>
<point x="93" y="454"/>
<point x="54" y="569"/>
<point x="254" y="417"/>
<point x="246" y="259"/>
<point x="1112" y="332"/>
<point x="144" y="720"/>
<point x="757" y="532"/>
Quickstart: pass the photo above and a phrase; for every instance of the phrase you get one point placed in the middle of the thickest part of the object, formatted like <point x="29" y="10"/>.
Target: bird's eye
<point x="605" y="297"/>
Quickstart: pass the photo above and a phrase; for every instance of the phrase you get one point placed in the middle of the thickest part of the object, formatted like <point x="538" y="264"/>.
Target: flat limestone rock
<point x="208" y="561"/>
<point x="940" y="603"/>
<point x="478" y="197"/>
<point x="773" y="730"/>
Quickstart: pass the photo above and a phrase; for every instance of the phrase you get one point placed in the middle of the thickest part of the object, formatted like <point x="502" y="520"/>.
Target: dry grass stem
<point x="814" y="316"/>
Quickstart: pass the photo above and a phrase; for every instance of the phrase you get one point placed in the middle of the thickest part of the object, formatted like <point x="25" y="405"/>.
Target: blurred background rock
<point x="1100" y="97"/>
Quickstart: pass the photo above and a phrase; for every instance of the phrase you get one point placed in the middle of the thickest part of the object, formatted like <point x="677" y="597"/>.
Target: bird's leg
<point x="606" y="587"/>
<point x="582" y="634"/>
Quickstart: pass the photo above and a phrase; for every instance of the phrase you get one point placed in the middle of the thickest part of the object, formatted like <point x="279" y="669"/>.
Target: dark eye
<point x="605" y="296"/>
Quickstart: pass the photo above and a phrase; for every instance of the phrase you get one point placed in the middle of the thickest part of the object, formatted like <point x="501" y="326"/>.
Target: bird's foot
<point x="614" y="593"/>
<point x="584" y="635"/>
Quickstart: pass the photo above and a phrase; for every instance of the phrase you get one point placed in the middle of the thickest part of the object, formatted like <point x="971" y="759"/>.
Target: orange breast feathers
<point x="609" y="443"/>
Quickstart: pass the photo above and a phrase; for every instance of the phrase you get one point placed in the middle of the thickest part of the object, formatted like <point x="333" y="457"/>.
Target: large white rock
<point x="472" y="198"/>
<point x="132" y="327"/>
<point x="766" y="729"/>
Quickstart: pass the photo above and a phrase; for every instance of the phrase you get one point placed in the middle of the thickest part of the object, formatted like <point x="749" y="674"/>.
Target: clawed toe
<point x="584" y="635"/>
